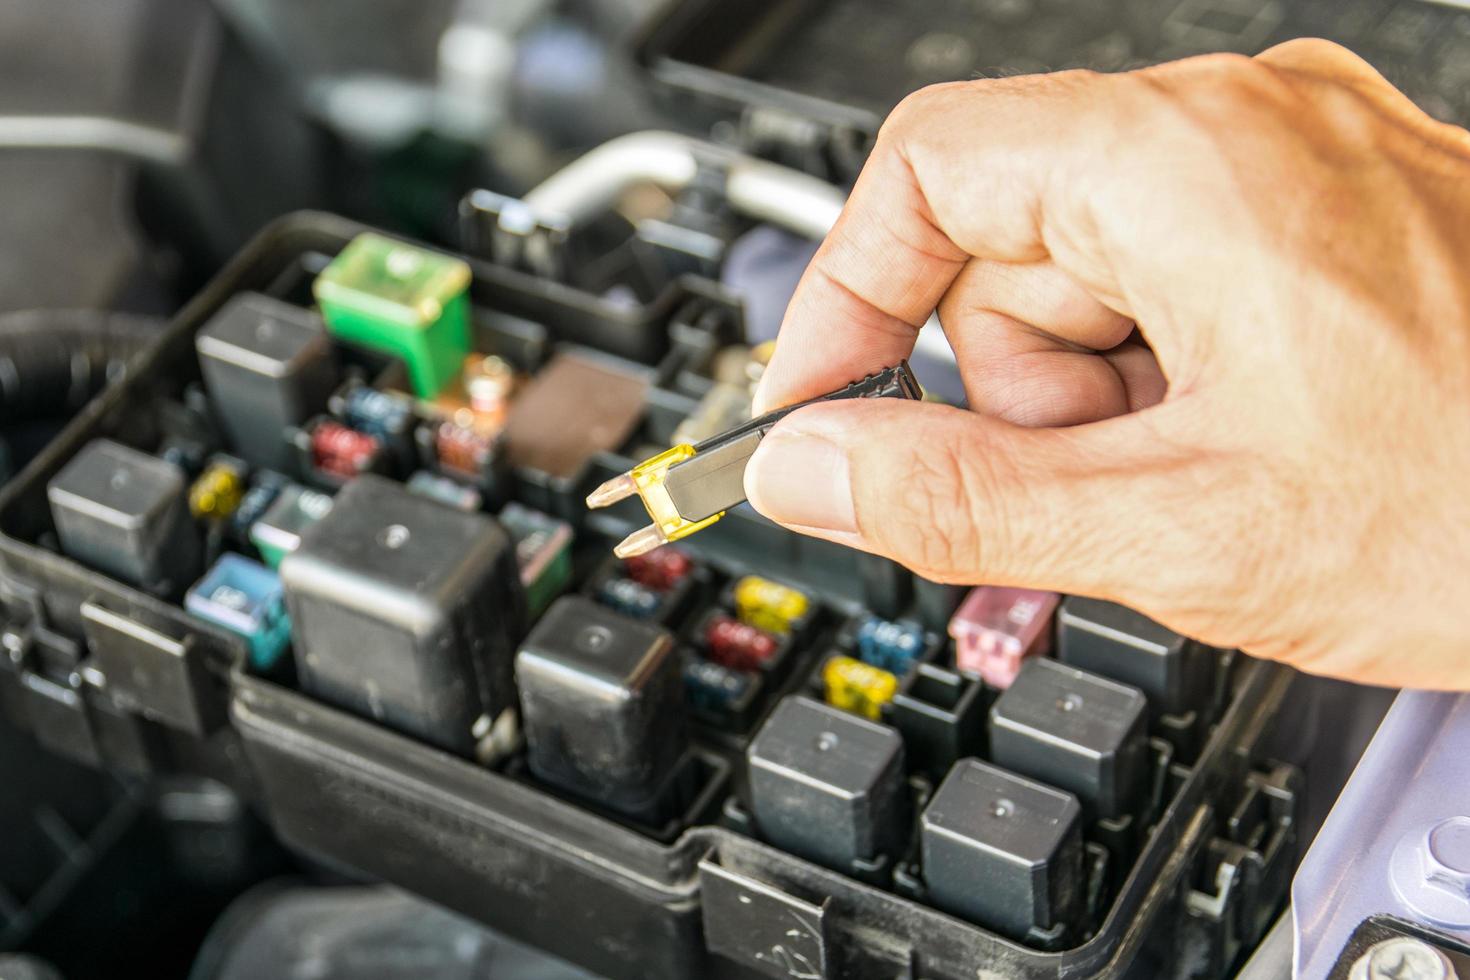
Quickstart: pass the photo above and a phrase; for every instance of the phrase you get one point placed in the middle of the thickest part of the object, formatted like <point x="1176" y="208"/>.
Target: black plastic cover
<point x="602" y="704"/>
<point x="406" y="611"/>
<point x="826" y="784"/>
<point x="1003" y="850"/>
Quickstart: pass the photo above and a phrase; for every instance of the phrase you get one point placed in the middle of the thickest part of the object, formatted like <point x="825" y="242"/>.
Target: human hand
<point x="1213" y="320"/>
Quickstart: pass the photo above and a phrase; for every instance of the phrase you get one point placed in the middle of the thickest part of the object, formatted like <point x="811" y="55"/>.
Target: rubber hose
<point x="53" y="361"/>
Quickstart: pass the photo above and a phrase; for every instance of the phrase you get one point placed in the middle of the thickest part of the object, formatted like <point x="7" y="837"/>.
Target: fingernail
<point x="802" y="481"/>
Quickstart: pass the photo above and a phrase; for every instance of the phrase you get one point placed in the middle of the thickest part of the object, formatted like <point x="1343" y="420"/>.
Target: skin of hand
<point x="1213" y="320"/>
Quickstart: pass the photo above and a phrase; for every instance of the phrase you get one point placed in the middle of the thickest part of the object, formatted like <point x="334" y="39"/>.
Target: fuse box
<point x="442" y="677"/>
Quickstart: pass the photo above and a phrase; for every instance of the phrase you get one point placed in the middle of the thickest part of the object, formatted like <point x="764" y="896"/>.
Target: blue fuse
<point x="889" y="646"/>
<point x="629" y="598"/>
<point x="712" y="688"/>
<point x="244" y="597"/>
<point x="379" y="414"/>
<point x="255" y="503"/>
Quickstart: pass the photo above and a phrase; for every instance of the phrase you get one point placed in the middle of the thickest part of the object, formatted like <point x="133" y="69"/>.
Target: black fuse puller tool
<point x="688" y="488"/>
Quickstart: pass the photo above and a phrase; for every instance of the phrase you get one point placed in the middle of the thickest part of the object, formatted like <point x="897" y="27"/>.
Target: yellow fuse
<point x="647" y="481"/>
<point x="769" y="605"/>
<point x="217" y="492"/>
<point x="858" y="687"/>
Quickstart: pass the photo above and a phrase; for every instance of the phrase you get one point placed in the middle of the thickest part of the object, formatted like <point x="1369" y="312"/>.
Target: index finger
<point x="960" y="170"/>
<point x="869" y="288"/>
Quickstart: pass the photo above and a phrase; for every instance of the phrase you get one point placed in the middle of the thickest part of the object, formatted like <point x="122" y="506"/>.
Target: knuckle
<point x="1222" y="66"/>
<point x="915" y="112"/>
<point x="1313" y="51"/>
<point x="1213" y="84"/>
<point x="1187" y="120"/>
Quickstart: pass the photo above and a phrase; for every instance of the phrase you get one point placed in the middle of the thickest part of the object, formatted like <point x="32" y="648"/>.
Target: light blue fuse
<point x="890" y="646"/>
<point x="244" y="597"/>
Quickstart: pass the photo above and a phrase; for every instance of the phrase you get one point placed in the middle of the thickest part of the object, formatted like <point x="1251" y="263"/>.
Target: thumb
<point x="961" y="497"/>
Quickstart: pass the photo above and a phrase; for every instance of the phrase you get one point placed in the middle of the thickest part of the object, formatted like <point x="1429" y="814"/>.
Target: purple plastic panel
<point x="1398" y="840"/>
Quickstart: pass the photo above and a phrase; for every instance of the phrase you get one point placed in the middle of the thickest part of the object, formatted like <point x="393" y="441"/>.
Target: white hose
<point x="92" y="133"/>
<point x="783" y="197"/>
<point x="755" y="189"/>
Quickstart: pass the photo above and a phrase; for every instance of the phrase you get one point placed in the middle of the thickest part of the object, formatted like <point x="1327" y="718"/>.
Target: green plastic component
<point x="543" y="551"/>
<point x="279" y="530"/>
<point x="402" y="300"/>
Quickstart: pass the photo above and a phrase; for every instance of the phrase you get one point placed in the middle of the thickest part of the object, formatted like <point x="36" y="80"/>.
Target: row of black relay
<point x="1066" y="758"/>
<point x="1046" y="785"/>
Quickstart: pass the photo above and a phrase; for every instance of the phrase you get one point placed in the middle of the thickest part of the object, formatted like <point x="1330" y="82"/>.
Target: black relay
<point x="1003" y="850"/>
<point x="828" y="785"/>
<point x="602" y="703"/>
<point x="123" y="512"/>
<point x="407" y="611"/>
<point x="1074" y="730"/>
<point x="268" y="365"/>
<point x="1114" y="641"/>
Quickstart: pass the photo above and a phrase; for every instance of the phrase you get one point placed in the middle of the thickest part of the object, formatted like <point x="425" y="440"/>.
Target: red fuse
<point x="341" y="451"/>
<point x="660" y="569"/>
<point x="738" y="645"/>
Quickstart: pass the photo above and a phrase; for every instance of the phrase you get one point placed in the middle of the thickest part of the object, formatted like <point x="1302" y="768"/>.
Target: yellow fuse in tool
<point x="647" y="481"/>
<point x="690" y="486"/>
<point x="217" y="492"/>
<point x="858" y="687"/>
<point x="769" y="605"/>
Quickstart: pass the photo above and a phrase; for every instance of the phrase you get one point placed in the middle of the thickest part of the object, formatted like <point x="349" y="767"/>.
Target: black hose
<point x="53" y="361"/>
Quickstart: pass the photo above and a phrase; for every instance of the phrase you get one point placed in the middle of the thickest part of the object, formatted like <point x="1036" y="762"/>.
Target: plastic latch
<point x="761" y="927"/>
<point x="149" y="672"/>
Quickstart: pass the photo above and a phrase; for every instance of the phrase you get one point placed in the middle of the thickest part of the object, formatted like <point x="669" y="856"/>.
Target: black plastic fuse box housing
<point x="700" y="894"/>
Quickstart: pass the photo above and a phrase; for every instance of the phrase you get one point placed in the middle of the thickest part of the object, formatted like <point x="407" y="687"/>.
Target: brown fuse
<point x="573" y="408"/>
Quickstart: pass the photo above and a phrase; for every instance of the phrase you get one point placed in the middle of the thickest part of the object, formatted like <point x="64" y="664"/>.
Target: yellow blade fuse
<point x="688" y="488"/>
<point x="218" y="491"/>
<point x="768" y="605"/>
<point x="858" y="687"/>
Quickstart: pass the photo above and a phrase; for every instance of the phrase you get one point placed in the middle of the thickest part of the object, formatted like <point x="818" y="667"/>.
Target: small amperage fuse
<point x="893" y="647"/>
<point x="737" y="645"/>
<point x="688" y="488"/>
<point x="769" y="605"/>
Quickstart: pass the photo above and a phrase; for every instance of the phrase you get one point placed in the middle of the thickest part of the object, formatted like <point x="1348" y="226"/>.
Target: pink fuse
<point x="995" y="629"/>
